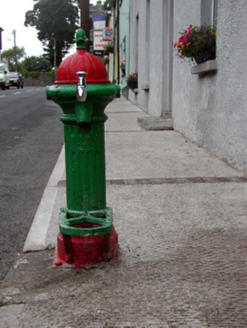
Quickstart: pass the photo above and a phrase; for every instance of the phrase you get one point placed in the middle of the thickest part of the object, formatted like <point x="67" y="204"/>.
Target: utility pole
<point x="85" y="23"/>
<point x="14" y="33"/>
<point x="55" y="56"/>
<point x="0" y="43"/>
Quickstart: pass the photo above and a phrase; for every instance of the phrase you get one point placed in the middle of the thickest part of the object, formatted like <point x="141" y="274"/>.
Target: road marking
<point x="36" y="238"/>
<point x="16" y="93"/>
<point x="2" y="96"/>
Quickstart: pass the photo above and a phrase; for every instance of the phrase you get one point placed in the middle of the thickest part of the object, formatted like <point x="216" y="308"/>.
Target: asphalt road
<point x="31" y="137"/>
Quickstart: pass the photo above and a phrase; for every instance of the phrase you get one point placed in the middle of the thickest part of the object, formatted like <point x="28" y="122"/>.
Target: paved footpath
<point x="180" y="213"/>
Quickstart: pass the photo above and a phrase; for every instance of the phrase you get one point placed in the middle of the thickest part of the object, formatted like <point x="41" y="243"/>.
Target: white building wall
<point x="212" y="110"/>
<point x="111" y="56"/>
<point x="143" y="97"/>
<point x="133" y="45"/>
<point x="156" y="59"/>
<point x="150" y="58"/>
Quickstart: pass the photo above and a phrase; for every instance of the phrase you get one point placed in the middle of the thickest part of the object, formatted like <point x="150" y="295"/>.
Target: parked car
<point x="4" y="76"/>
<point x="16" y="79"/>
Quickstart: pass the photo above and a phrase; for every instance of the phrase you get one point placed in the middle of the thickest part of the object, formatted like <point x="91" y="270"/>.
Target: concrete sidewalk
<point x="180" y="213"/>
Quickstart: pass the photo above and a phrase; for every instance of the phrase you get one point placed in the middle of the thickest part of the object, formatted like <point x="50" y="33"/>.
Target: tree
<point x="56" y="22"/>
<point x="10" y="54"/>
<point x="37" y="64"/>
<point x="106" y="5"/>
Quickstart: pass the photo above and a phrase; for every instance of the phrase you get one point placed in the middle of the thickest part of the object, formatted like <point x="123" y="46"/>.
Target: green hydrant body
<point x="85" y="163"/>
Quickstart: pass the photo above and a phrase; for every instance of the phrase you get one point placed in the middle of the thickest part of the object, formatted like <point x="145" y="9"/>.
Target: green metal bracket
<point x="89" y="223"/>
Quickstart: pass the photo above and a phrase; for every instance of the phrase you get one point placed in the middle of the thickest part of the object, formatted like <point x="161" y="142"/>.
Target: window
<point x="209" y="12"/>
<point x="136" y="42"/>
<point x="214" y="12"/>
<point x="123" y="49"/>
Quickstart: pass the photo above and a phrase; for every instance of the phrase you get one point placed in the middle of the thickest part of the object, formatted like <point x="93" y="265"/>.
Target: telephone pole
<point x="14" y="33"/>
<point x="55" y="56"/>
<point x="0" y="43"/>
<point x="85" y="22"/>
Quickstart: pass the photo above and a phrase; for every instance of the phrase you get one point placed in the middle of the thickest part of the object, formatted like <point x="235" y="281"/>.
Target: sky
<point x="12" y="17"/>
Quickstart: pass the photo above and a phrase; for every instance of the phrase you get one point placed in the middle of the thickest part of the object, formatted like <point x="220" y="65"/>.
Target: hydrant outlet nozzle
<point x="81" y="90"/>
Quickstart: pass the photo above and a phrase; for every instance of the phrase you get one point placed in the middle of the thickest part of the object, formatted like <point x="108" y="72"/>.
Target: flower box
<point x="197" y="43"/>
<point x="207" y="67"/>
<point x="132" y="81"/>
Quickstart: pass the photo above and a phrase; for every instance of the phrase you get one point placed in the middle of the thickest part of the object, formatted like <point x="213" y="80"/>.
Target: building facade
<point x="124" y="21"/>
<point x="210" y="108"/>
<point x="151" y="54"/>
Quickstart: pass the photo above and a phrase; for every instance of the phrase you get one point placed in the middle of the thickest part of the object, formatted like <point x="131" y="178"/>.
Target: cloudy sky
<point x="12" y="17"/>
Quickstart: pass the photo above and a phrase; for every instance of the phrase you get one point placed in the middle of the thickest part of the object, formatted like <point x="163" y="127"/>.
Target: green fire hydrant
<point x="83" y="91"/>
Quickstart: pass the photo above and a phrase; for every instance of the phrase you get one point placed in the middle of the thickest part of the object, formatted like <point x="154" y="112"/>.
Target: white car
<point x="4" y="76"/>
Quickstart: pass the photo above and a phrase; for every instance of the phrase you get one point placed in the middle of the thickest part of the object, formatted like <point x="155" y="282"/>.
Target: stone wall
<point x="42" y="81"/>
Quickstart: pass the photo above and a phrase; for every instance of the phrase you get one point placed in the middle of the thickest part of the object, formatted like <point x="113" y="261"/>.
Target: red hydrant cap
<point x="81" y="61"/>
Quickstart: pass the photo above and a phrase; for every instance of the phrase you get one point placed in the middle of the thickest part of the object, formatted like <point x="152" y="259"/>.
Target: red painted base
<point x="76" y="252"/>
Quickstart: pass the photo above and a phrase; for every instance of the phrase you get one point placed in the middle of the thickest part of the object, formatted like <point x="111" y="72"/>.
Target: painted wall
<point x="212" y="110"/>
<point x="110" y="68"/>
<point x="149" y="54"/>
<point x="209" y="110"/>
<point x="124" y="28"/>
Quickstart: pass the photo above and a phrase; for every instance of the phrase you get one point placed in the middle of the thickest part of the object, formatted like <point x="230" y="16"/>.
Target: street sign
<point x="107" y="34"/>
<point x="99" y="43"/>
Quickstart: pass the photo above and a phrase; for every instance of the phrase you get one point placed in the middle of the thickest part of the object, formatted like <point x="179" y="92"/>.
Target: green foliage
<point x="55" y="20"/>
<point x="106" y="60"/>
<point x="108" y="48"/>
<point x="10" y="54"/>
<point x="106" y="5"/>
<point x="34" y="75"/>
<point x="36" y="64"/>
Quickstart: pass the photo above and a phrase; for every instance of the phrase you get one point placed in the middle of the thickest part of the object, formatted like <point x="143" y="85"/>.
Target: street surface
<point x="180" y="215"/>
<point x="31" y="139"/>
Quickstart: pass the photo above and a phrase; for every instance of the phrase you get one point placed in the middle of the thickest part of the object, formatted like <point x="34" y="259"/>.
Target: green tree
<point x="10" y="54"/>
<point x="37" y="64"/>
<point x="56" y="22"/>
<point x="106" y="5"/>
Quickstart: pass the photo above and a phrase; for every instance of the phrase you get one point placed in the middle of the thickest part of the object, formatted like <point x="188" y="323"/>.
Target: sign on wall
<point x="107" y="34"/>
<point x="99" y="43"/>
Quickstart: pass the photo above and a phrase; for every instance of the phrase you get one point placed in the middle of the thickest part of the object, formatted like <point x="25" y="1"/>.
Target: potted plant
<point x="122" y="66"/>
<point x="108" y="48"/>
<point x="106" y="60"/>
<point x="197" y="43"/>
<point x="132" y="81"/>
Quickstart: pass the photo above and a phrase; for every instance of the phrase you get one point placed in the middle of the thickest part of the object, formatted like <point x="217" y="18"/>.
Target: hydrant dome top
<point x="81" y="61"/>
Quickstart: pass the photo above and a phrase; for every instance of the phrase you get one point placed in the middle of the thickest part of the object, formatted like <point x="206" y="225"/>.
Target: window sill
<point x="145" y="87"/>
<point x="207" y="67"/>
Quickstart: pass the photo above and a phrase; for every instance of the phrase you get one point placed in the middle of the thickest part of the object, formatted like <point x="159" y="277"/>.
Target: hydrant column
<point x="85" y="162"/>
<point x="83" y="91"/>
